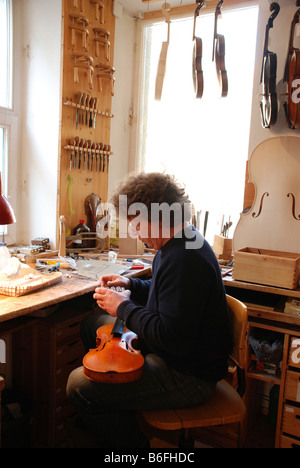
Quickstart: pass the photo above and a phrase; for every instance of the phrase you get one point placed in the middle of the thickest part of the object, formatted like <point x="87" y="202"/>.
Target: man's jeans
<point x="109" y="410"/>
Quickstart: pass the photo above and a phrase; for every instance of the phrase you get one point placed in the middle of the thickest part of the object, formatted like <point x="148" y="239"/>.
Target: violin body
<point x="220" y="64"/>
<point x="292" y="73"/>
<point x="197" y="68"/>
<point x="219" y="55"/>
<point x="268" y="103"/>
<point x="114" y="360"/>
<point x="293" y="106"/>
<point x="198" y="78"/>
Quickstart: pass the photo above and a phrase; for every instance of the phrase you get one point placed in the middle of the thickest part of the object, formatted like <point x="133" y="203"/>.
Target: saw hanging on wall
<point x="162" y="63"/>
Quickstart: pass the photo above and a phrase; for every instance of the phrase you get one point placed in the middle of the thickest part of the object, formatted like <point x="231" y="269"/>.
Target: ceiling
<point x="134" y="7"/>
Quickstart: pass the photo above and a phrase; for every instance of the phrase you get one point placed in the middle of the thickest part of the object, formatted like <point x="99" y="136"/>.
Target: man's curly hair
<point x="153" y="187"/>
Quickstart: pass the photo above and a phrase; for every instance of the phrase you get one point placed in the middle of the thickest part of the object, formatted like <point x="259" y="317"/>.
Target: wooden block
<point x="222" y="245"/>
<point x="269" y="267"/>
<point x="129" y="246"/>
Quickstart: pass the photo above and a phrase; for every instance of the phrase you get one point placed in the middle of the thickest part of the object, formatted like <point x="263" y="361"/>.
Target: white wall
<point x="124" y="56"/>
<point x="38" y="96"/>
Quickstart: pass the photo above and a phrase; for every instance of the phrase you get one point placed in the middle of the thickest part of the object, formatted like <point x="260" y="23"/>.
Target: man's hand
<point x="114" y="280"/>
<point x="109" y="300"/>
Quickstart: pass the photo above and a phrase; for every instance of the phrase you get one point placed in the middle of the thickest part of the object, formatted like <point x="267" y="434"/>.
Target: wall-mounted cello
<point x="268" y="103"/>
<point x="219" y="54"/>
<point x="291" y="77"/>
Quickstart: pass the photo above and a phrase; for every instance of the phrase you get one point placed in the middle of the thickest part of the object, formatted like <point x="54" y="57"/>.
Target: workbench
<point x="42" y="331"/>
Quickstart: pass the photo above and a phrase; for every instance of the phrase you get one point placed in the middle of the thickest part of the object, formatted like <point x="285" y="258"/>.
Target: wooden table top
<point x="12" y="307"/>
<point x="68" y="288"/>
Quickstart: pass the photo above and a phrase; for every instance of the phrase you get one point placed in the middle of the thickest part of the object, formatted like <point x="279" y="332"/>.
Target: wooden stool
<point x="226" y="405"/>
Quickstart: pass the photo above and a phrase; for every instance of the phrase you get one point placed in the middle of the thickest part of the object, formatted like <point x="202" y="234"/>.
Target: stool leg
<point x="186" y="440"/>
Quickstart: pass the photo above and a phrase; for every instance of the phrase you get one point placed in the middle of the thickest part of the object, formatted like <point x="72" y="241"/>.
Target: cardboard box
<point x="268" y="267"/>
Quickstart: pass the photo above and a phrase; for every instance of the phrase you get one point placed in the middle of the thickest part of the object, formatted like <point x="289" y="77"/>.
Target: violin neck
<point x="118" y="327"/>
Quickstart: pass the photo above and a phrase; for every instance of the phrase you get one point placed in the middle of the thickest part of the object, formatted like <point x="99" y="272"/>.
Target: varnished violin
<point x="115" y="359"/>
<point x="268" y="103"/>
<point x="219" y="54"/>
<point x="291" y="77"/>
<point x="197" y="56"/>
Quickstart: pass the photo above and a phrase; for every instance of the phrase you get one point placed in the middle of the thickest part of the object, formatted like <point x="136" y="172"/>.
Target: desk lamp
<point x="7" y="215"/>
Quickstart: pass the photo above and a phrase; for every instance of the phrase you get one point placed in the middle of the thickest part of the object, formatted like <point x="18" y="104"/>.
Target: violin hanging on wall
<point x="219" y="54"/>
<point x="268" y="103"/>
<point x="197" y="56"/>
<point x="291" y="77"/>
<point x="162" y="63"/>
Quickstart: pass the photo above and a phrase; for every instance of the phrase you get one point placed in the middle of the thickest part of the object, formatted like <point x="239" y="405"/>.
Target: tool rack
<point x="88" y="79"/>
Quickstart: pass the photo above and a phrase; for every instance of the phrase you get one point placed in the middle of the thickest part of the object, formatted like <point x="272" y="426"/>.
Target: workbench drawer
<point x="63" y="334"/>
<point x="292" y="386"/>
<point x="69" y="352"/>
<point x="289" y="442"/>
<point x="62" y="373"/>
<point x="294" y="354"/>
<point x="291" y="420"/>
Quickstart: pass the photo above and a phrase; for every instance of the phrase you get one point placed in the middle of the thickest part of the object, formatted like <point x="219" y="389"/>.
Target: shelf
<point x="263" y="376"/>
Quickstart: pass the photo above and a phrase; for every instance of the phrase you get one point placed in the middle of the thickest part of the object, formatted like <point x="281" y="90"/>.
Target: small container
<point x="80" y="229"/>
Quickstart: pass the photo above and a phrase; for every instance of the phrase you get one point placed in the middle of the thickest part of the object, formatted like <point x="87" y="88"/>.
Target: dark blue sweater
<point x="182" y="311"/>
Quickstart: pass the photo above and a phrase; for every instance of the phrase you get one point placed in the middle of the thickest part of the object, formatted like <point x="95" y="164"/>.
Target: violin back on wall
<point x="273" y="220"/>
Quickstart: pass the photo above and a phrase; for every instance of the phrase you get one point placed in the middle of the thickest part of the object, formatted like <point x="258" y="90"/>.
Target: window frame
<point x="9" y="178"/>
<point x="136" y="163"/>
<point x="187" y="11"/>
<point x="9" y="105"/>
<point x="10" y="122"/>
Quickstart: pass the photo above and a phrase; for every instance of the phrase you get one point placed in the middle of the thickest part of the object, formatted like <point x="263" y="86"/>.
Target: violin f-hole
<point x="254" y="215"/>
<point x="293" y="206"/>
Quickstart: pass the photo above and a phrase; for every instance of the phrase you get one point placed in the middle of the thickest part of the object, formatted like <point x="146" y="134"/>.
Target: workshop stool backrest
<point x="238" y="321"/>
<point x="238" y="316"/>
<point x="1" y="388"/>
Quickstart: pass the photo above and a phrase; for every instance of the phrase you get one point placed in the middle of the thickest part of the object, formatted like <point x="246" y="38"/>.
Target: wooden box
<point x="291" y="420"/>
<point x="294" y="352"/>
<point x="269" y="267"/>
<point x="292" y="387"/>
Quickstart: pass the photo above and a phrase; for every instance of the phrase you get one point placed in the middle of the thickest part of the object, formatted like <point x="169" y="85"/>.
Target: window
<point x="5" y="54"/>
<point x="8" y="120"/>
<point x="203" y="142"/>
